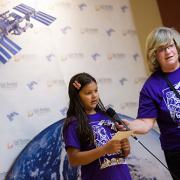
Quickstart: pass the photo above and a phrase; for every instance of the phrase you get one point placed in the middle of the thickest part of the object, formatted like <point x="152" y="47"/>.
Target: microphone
<point x="111" y="112"/>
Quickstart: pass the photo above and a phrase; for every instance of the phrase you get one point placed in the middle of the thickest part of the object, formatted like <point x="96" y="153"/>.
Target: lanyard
<point x="171" y="86"/>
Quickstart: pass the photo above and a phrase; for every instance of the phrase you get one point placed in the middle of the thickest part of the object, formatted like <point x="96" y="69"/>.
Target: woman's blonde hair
<point x="159" y="37"/>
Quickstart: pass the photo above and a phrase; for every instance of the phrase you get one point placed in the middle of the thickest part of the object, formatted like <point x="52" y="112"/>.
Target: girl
<point x="88" y="131"/>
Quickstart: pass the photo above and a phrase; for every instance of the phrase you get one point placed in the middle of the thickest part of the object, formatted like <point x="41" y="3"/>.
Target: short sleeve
<point x="70" y="136"/>
<point x="147" y="106"/>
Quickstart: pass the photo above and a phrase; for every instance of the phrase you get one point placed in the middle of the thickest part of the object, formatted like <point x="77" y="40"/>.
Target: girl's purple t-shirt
<point x="158" y="101"/>
<point x="108" y="167"/>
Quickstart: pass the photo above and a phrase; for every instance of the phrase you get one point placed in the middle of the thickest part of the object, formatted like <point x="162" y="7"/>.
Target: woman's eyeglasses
<point x="163" y="49"/>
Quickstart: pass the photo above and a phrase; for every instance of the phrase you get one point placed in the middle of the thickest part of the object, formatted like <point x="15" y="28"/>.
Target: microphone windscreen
<point x="111" y="112"/>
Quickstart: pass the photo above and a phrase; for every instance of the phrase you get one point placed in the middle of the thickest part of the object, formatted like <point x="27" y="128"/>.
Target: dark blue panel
<point x="3" y="51"/>
<point x="42" y="20"/>
<point x="2" y="59"/>
<point x="24" y="11"/>
<point x="47" y="16"/>
<point x="11" y="42"/>
<point x="11" y="49"/>
<point x="26" y="7"/>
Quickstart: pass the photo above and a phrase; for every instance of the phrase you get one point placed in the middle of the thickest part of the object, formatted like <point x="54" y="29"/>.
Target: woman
<point x="88" y="134"/>
<point x="159" y="100"/>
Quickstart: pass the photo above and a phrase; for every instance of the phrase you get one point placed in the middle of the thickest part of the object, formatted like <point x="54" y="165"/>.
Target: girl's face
<point x="167" y="57"/>
<point x="89" y="97"/>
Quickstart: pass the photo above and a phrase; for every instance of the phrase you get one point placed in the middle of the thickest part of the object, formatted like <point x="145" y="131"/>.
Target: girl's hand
<point x="112" y="146"/>
<point x="125" y="147"/>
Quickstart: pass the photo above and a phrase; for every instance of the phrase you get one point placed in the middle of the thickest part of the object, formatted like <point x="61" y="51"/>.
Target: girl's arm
<point x="77" y="157"/>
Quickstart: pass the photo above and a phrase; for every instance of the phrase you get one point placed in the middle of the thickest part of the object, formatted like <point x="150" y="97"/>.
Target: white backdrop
<point x="91" y="36"/>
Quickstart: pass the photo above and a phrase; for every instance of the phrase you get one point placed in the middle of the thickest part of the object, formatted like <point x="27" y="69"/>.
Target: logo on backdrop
<point x="12" y="116"/>
<point x="104" y="7"/>
<point x="66" y="29"/>
<point x="8" y="85"/>
<point x="17" y="143"/>
<point x="95" y="56"/>
<point x="50" y="57"/>
<point x="136" y="56"/>
<point x="39" y="111"/>
<point x="88" y="30"/>
<point x="124" y="8"/>
<point x="82" y="6"/>
<point x="116" y="56"/>
<point x="129" y="32"/>
<point x="9" y="146"/>
<point x="122" y="81"/>
<point x="31" y="85"/>
<point x="110" y="31"/>
<point x="55" y="82"/>
<point x="63" y="111"/>
<point x="104" y="80"/>
<point x="72" y="56"/>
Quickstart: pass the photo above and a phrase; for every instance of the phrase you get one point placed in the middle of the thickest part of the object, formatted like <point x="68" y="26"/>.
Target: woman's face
<point x="167" y="57"/>
<point x="89" y="97"/>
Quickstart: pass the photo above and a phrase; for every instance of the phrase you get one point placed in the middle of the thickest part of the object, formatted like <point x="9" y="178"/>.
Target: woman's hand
<point x="138" y="126"/>
<point x="122" y="127"/>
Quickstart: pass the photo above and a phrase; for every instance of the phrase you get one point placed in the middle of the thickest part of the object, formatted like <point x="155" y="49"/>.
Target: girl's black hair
<point x="76" y="109"/>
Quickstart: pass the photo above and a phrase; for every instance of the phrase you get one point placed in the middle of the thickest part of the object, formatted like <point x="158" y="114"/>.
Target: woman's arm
<point x="142" y="126"/>
<point x="77" y="157"/>
<point x="139" y="126"/>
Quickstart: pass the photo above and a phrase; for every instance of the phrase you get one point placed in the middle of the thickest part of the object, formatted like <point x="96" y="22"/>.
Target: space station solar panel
<point x="37" y="15"/>
<point x="7" y="48"/>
